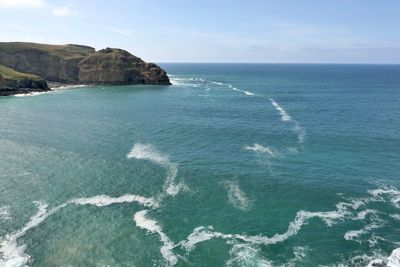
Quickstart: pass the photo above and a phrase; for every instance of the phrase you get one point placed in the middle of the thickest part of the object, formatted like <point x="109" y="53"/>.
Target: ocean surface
<point x="232" y="165"/>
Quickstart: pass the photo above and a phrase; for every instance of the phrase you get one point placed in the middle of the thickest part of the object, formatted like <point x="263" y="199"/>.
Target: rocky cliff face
<point x="117" y="66"/>
<point x="80" y="64"/>
<point x="57" y="63"/>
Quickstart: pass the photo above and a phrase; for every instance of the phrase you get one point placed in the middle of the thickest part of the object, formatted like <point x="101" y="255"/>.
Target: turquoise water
<point x="232" y="165"/>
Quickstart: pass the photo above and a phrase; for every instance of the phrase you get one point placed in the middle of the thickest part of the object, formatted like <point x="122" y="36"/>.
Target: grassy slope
<point x="10" y="74"/>
<point x="64" y="51"/>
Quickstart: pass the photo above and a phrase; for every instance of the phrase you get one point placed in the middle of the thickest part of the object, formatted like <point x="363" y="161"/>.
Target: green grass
<point x="67" y="52"/>
<point x="10" y="74"/>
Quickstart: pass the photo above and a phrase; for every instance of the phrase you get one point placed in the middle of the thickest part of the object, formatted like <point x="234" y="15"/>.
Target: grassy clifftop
<point x="69" y="51"/>
<point x="15" y="82"/>
<point x="10" y="74"/>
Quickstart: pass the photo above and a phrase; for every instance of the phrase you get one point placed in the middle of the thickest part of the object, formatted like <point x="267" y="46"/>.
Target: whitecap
<point x="5" y="214"/>
<point x="236" y="196"/>
<point x="394" y="258"/>
<point x="247" y="255"/>
<point x="390" y="192"/>
<point x="153" y="227"/>
<point x="261" y="149"/>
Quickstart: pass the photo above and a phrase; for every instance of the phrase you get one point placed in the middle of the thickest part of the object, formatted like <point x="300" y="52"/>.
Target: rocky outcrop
<point x="13" y="82"/>
<point x="78" y="64"/>
<point x="117" y="66"/>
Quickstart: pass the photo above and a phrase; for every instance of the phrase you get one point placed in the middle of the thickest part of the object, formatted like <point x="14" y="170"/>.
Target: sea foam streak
<point x="236" y="196"/>
<point x="261" y="149"/>
<point x="301" y="133"/>
<point x="13" y="255"/>
<point x="153" y="227"/>
<point x="285" y="116"/>
<point x="201" y="234"/>
<point x="232" y="87"/>
<point x="392" y="193"/>
<point x="104" y="200"/>
<point x="148" y="152"/>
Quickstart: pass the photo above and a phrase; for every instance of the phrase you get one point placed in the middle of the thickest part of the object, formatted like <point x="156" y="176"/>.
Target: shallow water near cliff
<point x="232" y="165"/>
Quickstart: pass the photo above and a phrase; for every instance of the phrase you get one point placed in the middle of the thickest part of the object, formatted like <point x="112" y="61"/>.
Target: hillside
<point x="77" y="64"/>
<point x="14" y="82"/>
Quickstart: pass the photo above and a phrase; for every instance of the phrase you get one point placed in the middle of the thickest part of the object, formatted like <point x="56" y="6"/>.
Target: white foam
<point x="242" y="91"/>
<point x="33" y="94"/>
<point x="67" y="87"/>
<point x="201" y="234"/>
<point x="301" y="133"/>
<point x="236" y="196"/>
<point x="5" y="214"/>
<point x="362" y="214"/>
<point x="104" y="200"/>
<point x="351" y="235"/>
<point x="246" y="255"/>
<point x="148" y="152"/>
<point x="282" y="112"/>
<point x="13" y="255"/>
<point x="153" y="227"/>
<point x="390" y="192"/>
<point x="261" y="149"/>
<point x="375" y="223"/>
<point x="394" y="258"/>
<point x="232" y="87"/>
<point x="188" y="82"/>
<point x="395" y="216"/>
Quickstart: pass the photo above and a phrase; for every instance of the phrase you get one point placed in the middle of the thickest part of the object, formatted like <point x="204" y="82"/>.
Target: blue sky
<point x="284" y="31"/>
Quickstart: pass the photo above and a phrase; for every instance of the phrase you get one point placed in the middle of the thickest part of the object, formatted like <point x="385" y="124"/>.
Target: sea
<point x="231" y="165"/>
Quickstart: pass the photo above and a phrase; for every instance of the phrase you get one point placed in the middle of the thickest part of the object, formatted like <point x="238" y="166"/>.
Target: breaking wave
<point x="387" y="192"/>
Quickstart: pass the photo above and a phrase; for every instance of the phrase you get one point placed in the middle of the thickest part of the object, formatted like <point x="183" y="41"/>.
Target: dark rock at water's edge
<point x="13" y="82"/>
<point x="79" y="64"/>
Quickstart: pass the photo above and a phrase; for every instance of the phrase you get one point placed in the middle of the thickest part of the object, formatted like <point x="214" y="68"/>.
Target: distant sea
<point x="232" y="165"/>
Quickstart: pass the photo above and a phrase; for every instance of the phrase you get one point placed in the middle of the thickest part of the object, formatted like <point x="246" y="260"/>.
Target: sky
<point x="254" y="31"/>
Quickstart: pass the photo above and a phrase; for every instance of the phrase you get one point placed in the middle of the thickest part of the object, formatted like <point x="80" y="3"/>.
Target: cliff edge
<point x="14" y="82"/>
<point x="79" y="64"/>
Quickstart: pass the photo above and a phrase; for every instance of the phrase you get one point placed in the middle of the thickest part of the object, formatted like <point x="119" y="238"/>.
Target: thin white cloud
<point x="63" y="11"/>
<point x="21" y="3"/>
<point x="125" y="32"/>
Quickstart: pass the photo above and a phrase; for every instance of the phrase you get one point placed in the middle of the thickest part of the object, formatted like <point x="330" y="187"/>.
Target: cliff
<point x="117" y="66"/>
<point x="78" y="64"/>
<point x="14" y="82"/>
<point x="56" y="63"/>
